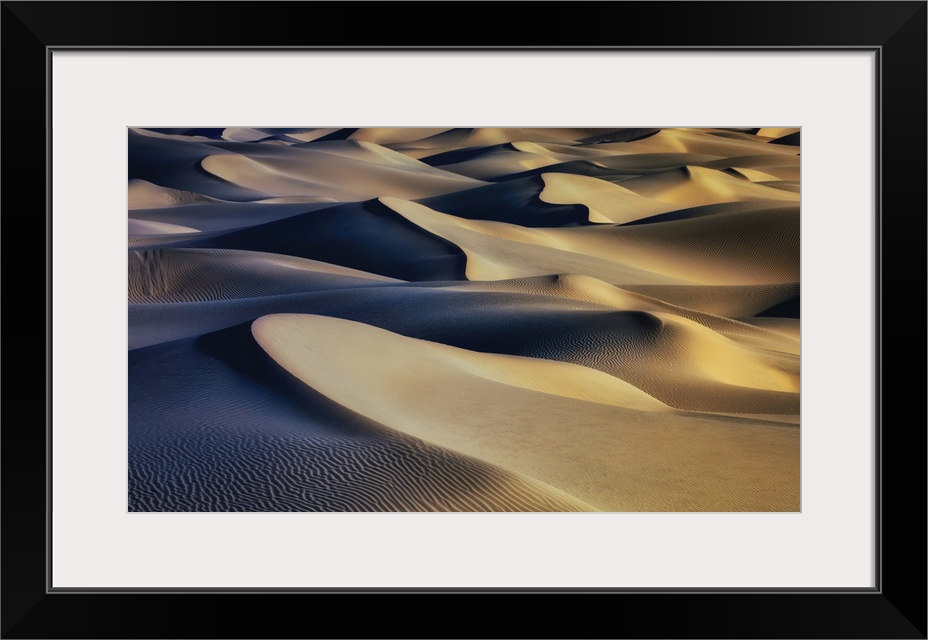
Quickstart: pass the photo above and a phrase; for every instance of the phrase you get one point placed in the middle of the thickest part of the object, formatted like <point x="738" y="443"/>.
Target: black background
<point x="897" y="609"/>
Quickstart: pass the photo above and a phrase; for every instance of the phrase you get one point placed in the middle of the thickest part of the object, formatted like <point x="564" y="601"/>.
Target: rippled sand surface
<point x="491" y="319"/>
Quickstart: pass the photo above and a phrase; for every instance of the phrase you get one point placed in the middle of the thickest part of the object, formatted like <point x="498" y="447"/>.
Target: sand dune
<point x="427" y="358"/>
<point x="226" y="216"/>
<point x="139" y="227"/>
<point x="393" y="135"/>
<point x="145" y="195"/>
<point x="607" y="202"/>
<point x="550" y="327"/>
<point x="516" y="201"/>
<point x="694" y="186"/>
<point x="334" y="318"/>
<point x="489" y="163"/>
<point x="537" y="315"/>
<point x="748" y="248"/>
<point x="241" y="435"/>
<point x="486" y="321"/>
<point x="345" y="171"/>
<point x="146" y="240"/>
<point x="704" y="210"/>
<point x="190" y="275"/>
<point x="310" y="134"/>
<point x="366" y="236"/>
<point x="592" y="450"/>
<point x="734" y="301"/>
<point x="587" y="289"/>
<point x="786" y="326"/>
<point x="701" y="141"/>
<point x="498" y="251"/>
<point x="782" y="167"/>
<point x="776" y="132"/>
<point x="485" y="136"/>
<point x="274" y="136"/>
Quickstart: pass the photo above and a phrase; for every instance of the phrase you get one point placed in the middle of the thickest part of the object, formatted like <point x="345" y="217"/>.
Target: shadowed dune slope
<point x="462" y="138"/>
<point x="365" y="236"/>
<point x="587" y="289"/>
<point x="227" y="216"/>
<point x="240" y="434"/>
<point x="190" y="275"/>
<point x="516" y="201"/>
<point x="175" y="164"/>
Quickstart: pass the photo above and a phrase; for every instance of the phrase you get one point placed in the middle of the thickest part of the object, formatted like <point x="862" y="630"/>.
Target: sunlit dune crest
<point x="344" y="172"/>
<point x="693" y="186"/>
<point x="723" y="249"/>
<point x="139" y="227"/>
<point x="512" y="412"/>
<point x="145" y="195"/>
<point x="607" y="202"/>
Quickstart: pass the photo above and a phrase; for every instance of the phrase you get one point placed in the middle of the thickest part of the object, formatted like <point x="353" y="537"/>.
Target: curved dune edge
<point x="692" y="186"/>
<point x="298" y="452"/>
<point x="453" y="139"/>
<point x="776" y="132"/>
<point x="606" y="201"/>
<point x="716" y="358"/>
<point x="785" y="326"/>
<point x="502" y="251"/>
<point x="484" y="406"/>
<point x="146" y="195"/>
<point x="158" y="240"/>
<point x="730" y="301"/>
<point x="494" y="163"/>
<point x="140" y="227"/>
<point x="198" y="275"/>
<point x="546" y="376"/>
<point x="587" y="289"/>
<point x="345" y="171"/>
<point x="698" y="142"/>
<point x="688" y="360"/>
<point x="755" y="175"/>
<point x="754" y="247"/>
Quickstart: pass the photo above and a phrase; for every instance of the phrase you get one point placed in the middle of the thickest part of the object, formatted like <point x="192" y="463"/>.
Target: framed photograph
<point x="577" y="310"/>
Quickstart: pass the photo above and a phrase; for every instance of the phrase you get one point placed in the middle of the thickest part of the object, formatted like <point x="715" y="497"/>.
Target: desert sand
<point x="464" y="319"/>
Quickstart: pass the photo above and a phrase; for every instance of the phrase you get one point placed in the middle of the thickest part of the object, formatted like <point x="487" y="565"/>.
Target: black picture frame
<point x="895" y="608"/>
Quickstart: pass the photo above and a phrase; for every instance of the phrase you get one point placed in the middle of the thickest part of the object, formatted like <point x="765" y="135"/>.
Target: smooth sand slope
<point x="225" y="216"/>
<point x="343" y="171"/>
<point x="145" y="195"/>
<point x="590" y="435"/>
<point x="191" y="275"/>
<point x="366" y="236"/>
